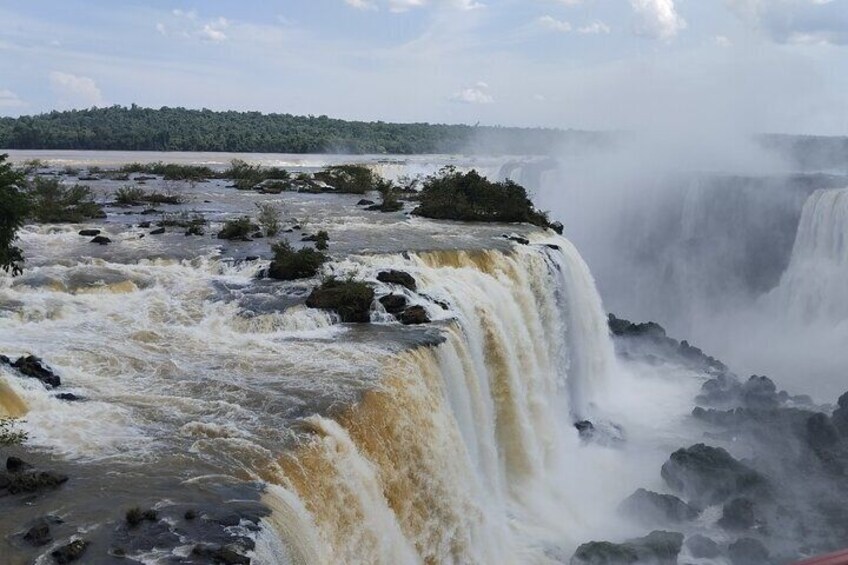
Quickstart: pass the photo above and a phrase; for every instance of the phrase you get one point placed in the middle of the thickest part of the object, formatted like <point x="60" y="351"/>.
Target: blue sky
<point x="758" y="65"/>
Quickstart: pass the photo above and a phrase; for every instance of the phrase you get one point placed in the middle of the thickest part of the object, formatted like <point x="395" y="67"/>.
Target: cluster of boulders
<point x="33" y="367"/>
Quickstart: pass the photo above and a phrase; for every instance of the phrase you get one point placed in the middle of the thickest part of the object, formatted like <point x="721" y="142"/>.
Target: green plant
<point x="237" y="228"/>
<point x="289" y="264"/>
<point x="183" y="219"/>
<point x="269" y="218"/>
<point x="53" y="202"/>
<point x="129" y="196"/>
<point x="350" y="299"/>
<point x="14" y="208"/>
<point x="321" y="240"/>
<point x="9" y="435"/>
<point x="353" y="179"/>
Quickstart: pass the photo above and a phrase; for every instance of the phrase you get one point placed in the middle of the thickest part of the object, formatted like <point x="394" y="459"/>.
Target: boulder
<point x="658" y="547"/>
<point x="652" y="508"/>
<point x="737" y="515"/>
<point x="393" y="303"/>
<point x="16" y="465"/>
<point x="710" y="475"/>
<point x="759" y="392"/>
<point x="32" y="366"/>
<point x="34" y="481"/>
<point x="702" y="547"/>
<point x="68" y="397"/>
<point x="226" y="554"/>
<point x="144" y="225"/>
<point x="585" y="429"/>
<point x="840" y="415"/>
<point x="517" y="239"/>
<point x="365" y="202"/>
<point x="821" y="433"/>
<point x="351" y="300"/>
<point x="401" y="278"/>
<point x="101" y="240"/>
<point x="557" y="227"/>
<point x="70" y="552"/>
<point x="39" y="533"/>
<point x="157" y="231"/>
<point x="414" y="315"/>
<point x="89" y="233"/>
<point x="748" y="551"/>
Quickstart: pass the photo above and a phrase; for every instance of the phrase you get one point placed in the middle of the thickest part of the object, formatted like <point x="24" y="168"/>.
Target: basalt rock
<point x="658" y="548"/>
<point x="702" y="547"/>
<point x="738" y="515"/>
<point x="39" y="533"/>
<point x="557" y="227"/>
<point x="413" y="315"/>
<point x="401" y="278"/>
<point x="32" y="366"/>
<point x="759" y="392"/>
<point x="365" y="202"/>
<point x="101" y="240"/>
<point x="351" y="300"/>
<point x="157" y="231"/>
<point x="70" y="552"/>
<point x="840" y="415"/>
<point x="393" y="303"/>
<point x="710" y="475"/>
<point x="652" y="508"/>
<point x="748" y="551"/>
<point x="68" y="397"/>
<point x="89" y="233"/>
<point x="33" y="481"/>
<point x="226" y="555"/>
<point x="16" y="465"/>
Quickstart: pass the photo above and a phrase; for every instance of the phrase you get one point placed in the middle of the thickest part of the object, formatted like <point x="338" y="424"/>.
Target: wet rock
<point x="16" y="465"/>
<point x="135" y="516"/>
<point x="39" y="533"/>
<point x="710" y="475"/>
<point x="414" y="315"/>
<point x="737" y="515"/>
<point x="820" y="432"/>
<point x="517" y="239"/>
<point x="723" y="390"/>
<point x="68" y="397"/>
<point x="251" y="258"/>
<point x="157" y="231"/>
<point x="227" y="555"/>
<point x="702" y="547"/>
<point x="101" y="240"/>
<point x="258" y="235"/>
<point x="34" y="481"/>
<point x="351" y="300"/>
<point x="748" y="551"/>
<point x="150" y="212"/>
<point x="656" y="509"/>
<point x="195" y="230"/>
<point x="557" y="227"/>
<point x="658" y="547"/>
<point x="759" y="392"/>
<point x="840" y="415"/>
<point x="145" y="225"/>
<point x="585" y="429"/>
<point x="228" y="520"/>
<point x="401" y="278"/>
<point x="393" y="303"/>
<point x="89" y="233"/>
<point x="70" y="552"/>
<point x="622" y="327"/>
<point x="365" y="202"/>
<point x="553" y="246"/>
<point x="190" y="515"/>
<point x="32" y="366"/>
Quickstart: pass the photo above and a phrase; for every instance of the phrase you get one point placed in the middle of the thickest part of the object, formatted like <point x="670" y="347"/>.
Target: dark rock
<point x="658" y="547"/>
<point x="150" y="212"/>
<point x="144" y="225"/>
<point x="557" y="227"/>
<point x="88" y="178"/>
<point x="702" y="547"/>
<point x="365" y="202"/>
<point x="622" y="327"/>
<point x="517" y="239"/>
<point x="143" y="178"/>
<point x="32" y="366"/>
<point x="136" y="516"/>
<point x="722" y="390"/>
<point x="190" y="515"/>
<point x="653" y="508"/>
<point x="296" y="227"/>
<point x="311" y="237"/>
<point x="70" y="552"/>
<point x="89" y="233"/>
<point x="604" y="553"/>
<point x="16" y="465"/>
<point x="553" y="246"/>
<point x="250" y="258"/>
<point x="737" y="515"/>
<point x="258" y="235"/>
<point x="585" y="428"/>
<point x="39" y="533"/>
<point x="710" y="475"/>
<point x="102" y="240"/>
<point x="401" y="278"/>
<point x="157" y="231"/>
<point x="393" y="303"/>
<point x="228" y="520"/>
<point x="195" y="230"/>
<point x="759" y="392"/>
<point x="351" y="300"/>
<point x="840" y="415"/>
<point x="414" y="315"/>
<point x="748" y="551"/>
<point x="820" y="431"/>
<point x="34" y="481"/>
<point x="227" y="555"/>
<point x="68" y="396"/>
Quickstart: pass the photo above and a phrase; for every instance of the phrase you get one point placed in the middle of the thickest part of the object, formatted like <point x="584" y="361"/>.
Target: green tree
<point x="14" y="207"/>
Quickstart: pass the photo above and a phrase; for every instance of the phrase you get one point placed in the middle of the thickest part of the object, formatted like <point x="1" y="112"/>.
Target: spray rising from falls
<point x="458" y="455"/>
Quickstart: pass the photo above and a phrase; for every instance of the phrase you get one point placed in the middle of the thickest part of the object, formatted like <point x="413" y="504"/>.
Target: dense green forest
<point x="179" y="129"/>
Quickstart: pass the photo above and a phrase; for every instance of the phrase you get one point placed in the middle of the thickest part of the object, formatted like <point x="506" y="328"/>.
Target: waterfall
<point x="814" y="287"/>
<point x="457" y="454"/>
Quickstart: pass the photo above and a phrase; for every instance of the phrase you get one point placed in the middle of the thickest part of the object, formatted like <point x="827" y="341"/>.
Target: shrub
<point x="14" y="208"/>
<point x="136" y="516"/>
<point x="289" y="264"/>
<point x="52" y="202"/>
<point x="353" y="179"/>
<point x="269" y="218"/>
<point x="183" y="219"/>
<point x="321" y="239"/>
<point x="451" y="195"/>
<point x="350" y="299"/>
<point x="9" y="434"/>
<point x="171" y="171"/>
<point x="238" y="228"/>
<point x="129" y="196"/>
<point x="244" y="175"/>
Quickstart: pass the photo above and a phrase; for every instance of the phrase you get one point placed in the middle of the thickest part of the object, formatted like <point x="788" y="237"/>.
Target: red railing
<point x="837" y="558"/>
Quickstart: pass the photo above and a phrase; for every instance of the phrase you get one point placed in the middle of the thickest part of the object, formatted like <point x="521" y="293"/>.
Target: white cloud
<point x="9" y="99"/>
<point x="569" y="2"/>
<point x="160" y="27"/>
<point x="594" y="28"/>
<point x="800" y="22"/>
<point x="75" y="91"/>
<point x="657" y="19"/>
<point x="398" y="6"/>
<point x="722" y="41"/>
<point x="477" y="94"/>
<point x="214" y="30"/>
<point x="553" y="24"/>
<point x="361" y="4"/>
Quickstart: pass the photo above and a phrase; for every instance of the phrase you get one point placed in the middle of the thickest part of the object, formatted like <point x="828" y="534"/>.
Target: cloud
<point x="594" y="28"/>
<point x="9" y="99"/>
<point x="657" y="19"/>
<point x="477" y="94"/>
<point x="398" y="6"/>
<point x="214" y="30"/>
<point x="361" y="4"/>
<point x="722" y="41"/>
<point x="553" y="24"/>
<point x="800" y="22"/>
<point x="188" y="24"/>
<point x="160" y="27"/>
<point x="75" y="91"/>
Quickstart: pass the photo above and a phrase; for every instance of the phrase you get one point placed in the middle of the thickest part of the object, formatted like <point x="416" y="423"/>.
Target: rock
<point x="70" y="552"/>
<point x="840" y="415"/>
<point x="658" y="547"/>
<point x="258" y="235"/>
<point x="144" y="225"/>
<point x="414" y="315"/>
<point x="89" y="233"/>
<point x="737" y="515"/>
<point x="365" y="202"/>
<point x="227" y="555"/>
<point x="311" y="237"/>
<point x="820" y="431"/>
<point x="553" y="246"/>
<point x="557" y="227"/>
<point x="393" y="303"/>
<point x="195" y="230"/>
<point x="517" y="239"/>
<point x="102" y="240"/>
<point x="702" y="547"/>
<point x="15" y="465"/>
<point x="135" y="516"/>
<point x="34" y="481"/>
<point x="748" y="551"/>
<point x="157" y="231"/>
<point x="39" y="533"/>
<point x="190" y="515"/>
<point x="251" y="258"/>
<point x="68" y="397"/>
<point x="759" y="392"/>
<point x="722" y="390"/>
<point x="621" y="327"/>
<point x="585" y="429"/>
<point x="351" y="300"/>
<point x="710" y="475"/>
<point x="150" y="212"/>
<point x="652" y="508"/>
<point x="401" y="278"/>
<point x="32" y="366"/>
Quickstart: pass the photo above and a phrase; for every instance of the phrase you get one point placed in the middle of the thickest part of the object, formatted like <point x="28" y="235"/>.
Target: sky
<point x="756" y="65"/>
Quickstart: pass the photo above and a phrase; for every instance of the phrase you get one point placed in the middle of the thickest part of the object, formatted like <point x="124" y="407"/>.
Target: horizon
<point x="738" y="65"/>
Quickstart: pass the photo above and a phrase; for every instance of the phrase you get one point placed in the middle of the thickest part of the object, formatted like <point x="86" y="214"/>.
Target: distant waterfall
<point x="814" y="287"/>
<point x="456" y="456"/>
